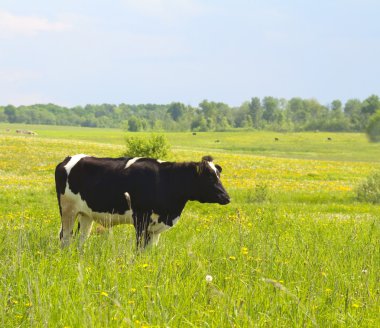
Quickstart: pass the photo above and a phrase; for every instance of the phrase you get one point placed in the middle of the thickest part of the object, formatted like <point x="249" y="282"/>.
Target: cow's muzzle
<point x="224" y="200"/>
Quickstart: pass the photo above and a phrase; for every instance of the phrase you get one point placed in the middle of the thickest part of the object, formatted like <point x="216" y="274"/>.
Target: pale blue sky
<point x="74" y="52"/>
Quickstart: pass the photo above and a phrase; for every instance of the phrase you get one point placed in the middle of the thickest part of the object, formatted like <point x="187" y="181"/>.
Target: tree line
<point x="268" y="113"/>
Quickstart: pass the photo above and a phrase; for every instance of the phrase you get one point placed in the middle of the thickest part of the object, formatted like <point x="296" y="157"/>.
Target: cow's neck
<point x="179" y="181"/>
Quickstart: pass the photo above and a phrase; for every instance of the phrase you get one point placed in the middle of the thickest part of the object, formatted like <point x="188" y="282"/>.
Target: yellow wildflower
<point x="244" y="250"/>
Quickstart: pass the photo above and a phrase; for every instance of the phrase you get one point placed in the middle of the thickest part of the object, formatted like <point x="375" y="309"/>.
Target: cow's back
<point x="107" y="185"/>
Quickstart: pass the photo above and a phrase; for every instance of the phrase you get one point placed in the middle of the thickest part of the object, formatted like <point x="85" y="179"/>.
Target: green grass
<point x="311" y="145"/>
<point x="305" y="254"/>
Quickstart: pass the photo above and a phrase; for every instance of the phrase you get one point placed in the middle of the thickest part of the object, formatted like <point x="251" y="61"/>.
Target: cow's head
<point x="210" y="188"/>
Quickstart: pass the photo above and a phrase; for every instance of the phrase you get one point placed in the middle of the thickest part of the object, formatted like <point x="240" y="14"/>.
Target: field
<point x="293" y="249"/>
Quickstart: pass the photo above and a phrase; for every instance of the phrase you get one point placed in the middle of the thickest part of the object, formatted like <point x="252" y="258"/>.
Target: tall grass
<point x="305" y="256"/>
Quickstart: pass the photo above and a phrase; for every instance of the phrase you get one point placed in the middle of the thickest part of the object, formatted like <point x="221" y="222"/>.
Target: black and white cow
<point x="145" y="192"/>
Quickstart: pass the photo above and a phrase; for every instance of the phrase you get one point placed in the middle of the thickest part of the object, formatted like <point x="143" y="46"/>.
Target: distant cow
<point x="276" y="139"/>
<point x="145" y="192"/>
<point x="26" y="132"/>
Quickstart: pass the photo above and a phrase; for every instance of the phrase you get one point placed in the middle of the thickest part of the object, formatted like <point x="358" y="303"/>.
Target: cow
<point x="148" y="193"/>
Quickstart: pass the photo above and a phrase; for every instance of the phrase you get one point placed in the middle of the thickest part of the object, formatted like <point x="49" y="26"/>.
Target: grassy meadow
<point x="293" y="249"/>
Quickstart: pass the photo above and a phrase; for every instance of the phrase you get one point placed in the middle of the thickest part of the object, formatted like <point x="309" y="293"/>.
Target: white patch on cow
<point x="73" y="161"/>
<point x="154" y="217"/>
<point x="159" y="161"/>
<point x="132" y="161"/>
<point x="156" y="228"/>
<point x="211" y="164"/>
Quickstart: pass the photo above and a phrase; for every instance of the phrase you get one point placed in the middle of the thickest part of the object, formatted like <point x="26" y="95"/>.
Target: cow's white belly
<point x="109" y="220"/>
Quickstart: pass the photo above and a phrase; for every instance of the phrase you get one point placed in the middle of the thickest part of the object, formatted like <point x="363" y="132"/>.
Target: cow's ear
<point x="219" y="168"/>
<point x="207" y="158"/>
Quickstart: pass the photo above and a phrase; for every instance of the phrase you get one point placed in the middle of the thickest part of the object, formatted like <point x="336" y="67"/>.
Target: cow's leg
<point x="85" y="222"/>
<point x="68" y="220"/>
<point x="141" y="223"/>
<point x="152" y="239"/>
<point x="157" y="225"/>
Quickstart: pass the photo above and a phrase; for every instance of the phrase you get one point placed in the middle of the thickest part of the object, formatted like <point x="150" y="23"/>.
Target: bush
<point x="373" y="129"/>
<point x="259" y="194"/>
<point x="369" y="190"/>
<point x="155" y="146"/>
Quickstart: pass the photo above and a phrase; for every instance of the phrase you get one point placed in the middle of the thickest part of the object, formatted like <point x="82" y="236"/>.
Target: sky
<point x="77" y="52"/>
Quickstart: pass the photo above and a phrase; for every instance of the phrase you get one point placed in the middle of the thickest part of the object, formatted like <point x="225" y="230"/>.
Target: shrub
<point x="154" y="146"/>
<point x="259" y="194"/>
<point x="369" y="190"/>
<point x="373" y="128"/>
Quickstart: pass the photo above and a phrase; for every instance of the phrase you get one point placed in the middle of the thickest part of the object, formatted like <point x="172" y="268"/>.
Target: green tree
<point x="373" y="128"/>
<point x="371" y="105"/>
<point x="256" y="112"/>
<point x="272" y="113"/>
<point x="199" y="124"/>
<point x="208" y="108"/>
<point x="352" y="110"/>
<point x="176" y="111"/>
<point x="10" y="111"/>
<point x="240" y="116"/>
<point x="336" y="105"/>
<point x="297" y="111"/>
<point x="134" y="124"/>
<point x="3" y="116"/>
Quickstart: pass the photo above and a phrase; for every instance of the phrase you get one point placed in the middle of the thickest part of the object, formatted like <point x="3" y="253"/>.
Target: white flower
<point x="208" y="278"/>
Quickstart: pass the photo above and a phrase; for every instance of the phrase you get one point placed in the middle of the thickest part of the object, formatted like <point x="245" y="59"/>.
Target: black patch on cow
<point x="101" y="183"/>
<point x="60" y="180"/>
<point x="167" y="219"/>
